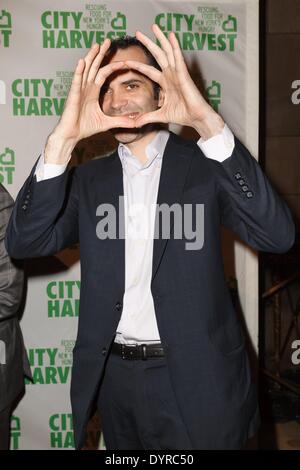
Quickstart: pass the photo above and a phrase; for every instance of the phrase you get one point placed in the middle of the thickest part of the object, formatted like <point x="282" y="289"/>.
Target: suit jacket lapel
<point x="109" y="188"/>
<point x="175" y="165"/>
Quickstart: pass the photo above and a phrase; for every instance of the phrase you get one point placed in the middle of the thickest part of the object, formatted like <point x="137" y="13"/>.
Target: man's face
<point x="128" y="93"/>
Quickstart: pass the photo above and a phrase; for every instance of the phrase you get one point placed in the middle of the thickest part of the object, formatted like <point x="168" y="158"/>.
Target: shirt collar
<point x="155" y="149"/>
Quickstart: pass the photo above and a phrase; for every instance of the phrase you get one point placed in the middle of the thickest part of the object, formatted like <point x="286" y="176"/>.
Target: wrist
<point x="209" y="126"/>
<point x="58" y="150"/>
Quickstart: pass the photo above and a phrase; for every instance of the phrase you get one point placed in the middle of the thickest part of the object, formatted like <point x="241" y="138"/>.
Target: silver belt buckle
<point x="144" y="352"/>
<point x="123" y="351"/>
<point x="130" y="348"/>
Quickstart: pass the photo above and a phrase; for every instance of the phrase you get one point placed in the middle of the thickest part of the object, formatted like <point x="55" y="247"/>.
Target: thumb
<point x="147" y="118"/>
<point x="119" y="121"/>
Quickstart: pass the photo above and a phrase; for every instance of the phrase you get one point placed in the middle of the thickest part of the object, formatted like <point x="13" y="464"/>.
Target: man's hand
<point x="182" y="101"/>
<point x="82" y="115"/>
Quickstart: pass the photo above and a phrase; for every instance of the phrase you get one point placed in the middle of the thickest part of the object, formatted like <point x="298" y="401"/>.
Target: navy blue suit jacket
<point x="201" y="335"/>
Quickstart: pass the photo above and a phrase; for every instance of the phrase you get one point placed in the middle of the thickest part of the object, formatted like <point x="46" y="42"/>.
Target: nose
<point x="118" y="100"/>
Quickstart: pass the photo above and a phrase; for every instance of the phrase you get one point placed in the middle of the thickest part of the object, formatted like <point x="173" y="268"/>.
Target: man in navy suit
<point x="159" y="345"/>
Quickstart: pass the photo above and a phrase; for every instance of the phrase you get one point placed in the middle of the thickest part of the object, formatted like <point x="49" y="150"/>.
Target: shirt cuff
<point x="219" y="147"/>
<point x="45" y="171"/>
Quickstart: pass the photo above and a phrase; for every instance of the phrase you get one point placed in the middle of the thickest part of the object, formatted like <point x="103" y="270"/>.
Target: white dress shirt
<point x="138" y="320"/>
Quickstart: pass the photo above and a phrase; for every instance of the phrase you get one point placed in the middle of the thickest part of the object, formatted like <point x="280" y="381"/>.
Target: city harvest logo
<point x="5" y="28"/>
<point x="7" y="166"/>
<point x="63" y="299"/>
<point x="213" y="89"/>
<point x="209" y="29"/>
<point x="295" y="97"/>
<point x="80" y="29"/>
<point x="61" y="431"/>
<point x="15" y="432"/>
<point x="51" y="365"/>
<point x="41" y="96"/>
<point x="214" y="94"/>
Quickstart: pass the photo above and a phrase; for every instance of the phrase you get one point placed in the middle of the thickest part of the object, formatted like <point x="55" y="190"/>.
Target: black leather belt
<point x="138" y="351"/>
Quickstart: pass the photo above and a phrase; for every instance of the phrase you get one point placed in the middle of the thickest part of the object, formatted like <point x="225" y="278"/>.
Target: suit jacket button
<point x="24" y="207"/>
<point x="104" y="351"/>
<point x="237" y="176"/>
<point x="245" y="188"/>
<point x="118" y="306"/>
<point x="249" y="194"/>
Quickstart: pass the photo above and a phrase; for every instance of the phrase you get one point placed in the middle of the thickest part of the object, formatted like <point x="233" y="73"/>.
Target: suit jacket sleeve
<point x="11" y="276"/>
<point x="45" y="217"/>
<point x="250" y="207"/>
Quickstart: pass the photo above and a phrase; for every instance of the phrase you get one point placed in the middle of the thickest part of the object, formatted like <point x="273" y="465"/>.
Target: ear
<point x="161" y="98"/>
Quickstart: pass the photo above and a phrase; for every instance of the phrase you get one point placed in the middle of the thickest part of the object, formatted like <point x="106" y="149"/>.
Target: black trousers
<point x="138" y="408"/>
<point x="5" y="428"/>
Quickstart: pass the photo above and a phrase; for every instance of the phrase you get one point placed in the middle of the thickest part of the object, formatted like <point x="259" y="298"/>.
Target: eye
<point x="131" y="86"/>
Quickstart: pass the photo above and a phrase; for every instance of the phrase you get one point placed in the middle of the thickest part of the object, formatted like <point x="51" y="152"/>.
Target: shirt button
<point x="118" y="306"/>
<point x="104" y="351"/>
<point x="24" y="207"/>
<point x="249" y="194"/>
<point x="238" y="176"/>
<point x="241" y="182"/>
<point x="245" y="188"/>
